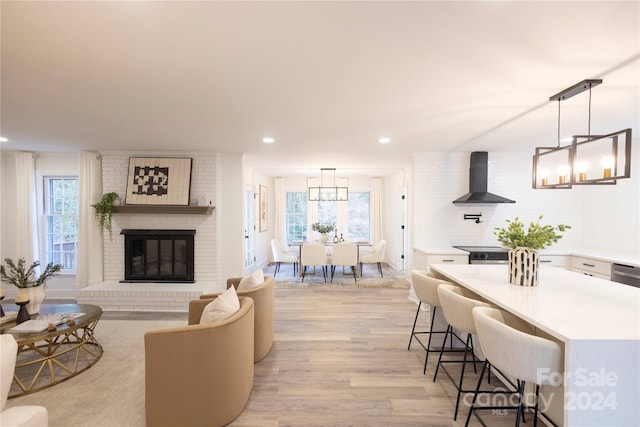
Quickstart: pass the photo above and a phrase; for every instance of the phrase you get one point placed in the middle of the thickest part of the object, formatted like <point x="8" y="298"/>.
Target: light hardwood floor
<point x="340" y="358"/>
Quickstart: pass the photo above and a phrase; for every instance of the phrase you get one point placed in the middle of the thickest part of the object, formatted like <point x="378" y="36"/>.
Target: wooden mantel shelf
<point x="163" y="209"/>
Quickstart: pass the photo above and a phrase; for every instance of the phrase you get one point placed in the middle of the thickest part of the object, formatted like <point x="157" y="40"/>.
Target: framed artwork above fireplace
<point x="159" y="181"/>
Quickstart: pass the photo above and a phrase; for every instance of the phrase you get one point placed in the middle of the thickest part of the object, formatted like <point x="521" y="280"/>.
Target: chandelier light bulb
<point x="607" y="165"/>
<point x="582" y="170"/>
<point x="544" y="175"/>
<point x="562" y="174"/>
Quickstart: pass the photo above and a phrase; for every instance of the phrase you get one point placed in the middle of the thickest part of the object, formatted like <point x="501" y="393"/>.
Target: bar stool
<point x="457" y="304"/>
<point x="508" y="343"/>
<point x="426" y="285"/>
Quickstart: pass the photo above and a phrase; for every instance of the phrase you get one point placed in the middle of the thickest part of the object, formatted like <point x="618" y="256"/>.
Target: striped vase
<point x="523" y="266"/>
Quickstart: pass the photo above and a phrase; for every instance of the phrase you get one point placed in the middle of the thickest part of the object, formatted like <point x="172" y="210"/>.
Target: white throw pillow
<point x="221" y="308"/>
<point x="253" y="281"/>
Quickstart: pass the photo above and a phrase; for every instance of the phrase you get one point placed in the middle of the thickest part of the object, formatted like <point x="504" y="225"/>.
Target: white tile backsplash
<point x="440" y="178"/>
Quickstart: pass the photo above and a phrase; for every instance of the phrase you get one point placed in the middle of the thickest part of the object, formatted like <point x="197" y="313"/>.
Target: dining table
<point x="597" y="323"/>
<point x="328" y="244"/>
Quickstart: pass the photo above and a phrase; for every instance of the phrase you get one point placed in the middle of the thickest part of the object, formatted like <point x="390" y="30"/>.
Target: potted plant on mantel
<point x="29" y="286"/>
<point x="104" y="211"/>
<point x="323" y="229"/>
<point x="523" y="253"/>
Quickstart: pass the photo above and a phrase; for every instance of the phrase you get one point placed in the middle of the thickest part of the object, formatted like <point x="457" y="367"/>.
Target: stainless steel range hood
<point x="478" y="182"/>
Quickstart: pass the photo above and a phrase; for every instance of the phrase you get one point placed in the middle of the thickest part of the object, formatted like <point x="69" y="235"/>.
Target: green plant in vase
<point x="323" y="229"/>
<point x="104" y="211"/>
<point x="524" y="246"/>
<point x="536" y="237"/>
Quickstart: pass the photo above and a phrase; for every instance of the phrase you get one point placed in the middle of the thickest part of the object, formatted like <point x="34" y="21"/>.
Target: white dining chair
<point x="344" y="254"/>
<point x="313" y="255"/>
<point x="509" y="344"/>
<point x="280" y="255"/>
<point x="376" y="256"/>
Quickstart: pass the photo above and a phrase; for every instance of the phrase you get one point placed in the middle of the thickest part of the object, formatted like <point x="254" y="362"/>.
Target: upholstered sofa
<point x="17" y="416"/>
<point x="263" y="298"/>
<point x="199" y="374"/>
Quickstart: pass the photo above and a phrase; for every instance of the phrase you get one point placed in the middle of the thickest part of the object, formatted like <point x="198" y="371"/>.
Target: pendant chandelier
<point x="328" y="193"/>
<point x="589" y="159"/>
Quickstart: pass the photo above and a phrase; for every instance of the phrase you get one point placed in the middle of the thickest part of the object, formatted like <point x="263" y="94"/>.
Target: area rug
<point x="371" y="279"/>
<point x="110" y="393"/>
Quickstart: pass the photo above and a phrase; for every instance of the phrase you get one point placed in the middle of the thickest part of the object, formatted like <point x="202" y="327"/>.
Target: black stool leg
<point x="414" y="325"/>
<point x="426" y="358"/>
<point x="464" y="363"/>
<point x="520" y="402"/>
<point x="475" y="394"/>
<point x="535" y="413"/>
<point x="435" y="375"/>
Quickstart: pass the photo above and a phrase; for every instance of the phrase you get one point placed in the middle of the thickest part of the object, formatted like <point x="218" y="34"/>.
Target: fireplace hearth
<point x="158" y="256"/>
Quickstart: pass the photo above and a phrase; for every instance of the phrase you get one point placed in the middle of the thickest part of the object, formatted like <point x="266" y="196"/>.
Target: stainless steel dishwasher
<point x="627" y="274"/>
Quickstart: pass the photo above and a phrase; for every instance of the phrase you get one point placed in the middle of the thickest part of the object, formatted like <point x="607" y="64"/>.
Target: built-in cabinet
<point x="447" y="259"/>
<point x="591" y="267"/>
<point x="561" y="261"/>
<point x="596" y="267"/>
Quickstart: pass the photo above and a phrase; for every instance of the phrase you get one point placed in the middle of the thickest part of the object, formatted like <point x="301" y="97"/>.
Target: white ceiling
<point x="325" y="79"/>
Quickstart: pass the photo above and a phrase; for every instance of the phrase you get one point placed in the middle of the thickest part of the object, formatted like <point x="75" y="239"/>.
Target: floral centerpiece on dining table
<point x="523" y="247"/>
<point x="323" y="229"/>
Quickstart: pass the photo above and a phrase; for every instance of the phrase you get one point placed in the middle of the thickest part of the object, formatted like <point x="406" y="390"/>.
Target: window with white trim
<point x="61" y="221"/>
<point x="296" y="216"/>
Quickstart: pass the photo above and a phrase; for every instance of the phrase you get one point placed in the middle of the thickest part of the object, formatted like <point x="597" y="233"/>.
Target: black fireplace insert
<point x="158" y="256"/>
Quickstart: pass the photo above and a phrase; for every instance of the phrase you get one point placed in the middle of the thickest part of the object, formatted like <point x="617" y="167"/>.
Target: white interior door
<point x="250" y="229"/>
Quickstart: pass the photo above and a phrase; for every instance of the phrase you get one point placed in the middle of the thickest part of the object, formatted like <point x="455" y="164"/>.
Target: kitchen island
<point x="596" y="320"/>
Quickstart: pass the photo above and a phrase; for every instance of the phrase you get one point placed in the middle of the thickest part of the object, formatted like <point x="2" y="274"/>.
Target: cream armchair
<point x="17" y="416"/>
<point x="199" y="375"/>
<point x="263" y="298"/>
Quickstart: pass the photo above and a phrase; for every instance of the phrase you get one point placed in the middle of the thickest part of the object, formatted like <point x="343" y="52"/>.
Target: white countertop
<point x="565" y="304"/>
<point x="598" y="322"/>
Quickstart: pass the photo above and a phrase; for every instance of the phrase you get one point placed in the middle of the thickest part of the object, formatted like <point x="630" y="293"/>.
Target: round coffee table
<point x="49" y="357"/>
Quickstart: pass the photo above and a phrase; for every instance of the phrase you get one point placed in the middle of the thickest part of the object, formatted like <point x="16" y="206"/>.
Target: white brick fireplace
<point x="113" y="295"/>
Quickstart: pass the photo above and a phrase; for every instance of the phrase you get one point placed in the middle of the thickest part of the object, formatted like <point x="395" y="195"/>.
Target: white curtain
<point x="26" y="218"/>
<point x="281" y="213"/>
<point x="89" y="269"/>
<point x="312" y="212"/>
<point x="376" y="210"/>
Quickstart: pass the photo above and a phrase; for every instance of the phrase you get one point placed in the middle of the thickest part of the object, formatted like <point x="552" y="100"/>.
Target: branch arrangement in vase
<point x="21" y="277"/>
<point x="536" y="237"/>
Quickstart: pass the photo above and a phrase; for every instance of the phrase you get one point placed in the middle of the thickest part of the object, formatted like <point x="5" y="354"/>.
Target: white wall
<point x="440" y="178"/>
<point x="611" y="213"/>
<point x="604" y="217"/>
<point x="262" y="242"/>
<point x="231" y="215"/>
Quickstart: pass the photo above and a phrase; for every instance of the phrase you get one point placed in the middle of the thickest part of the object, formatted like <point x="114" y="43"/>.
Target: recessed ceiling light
<point x="3" y="139"/>
<point x="268" y="140"/>
<point x="384" y="140"/>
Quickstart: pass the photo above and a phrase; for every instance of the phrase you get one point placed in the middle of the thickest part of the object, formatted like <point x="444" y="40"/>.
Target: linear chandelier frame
<point x="328" y="193"/>
<point x="574" y="162"/>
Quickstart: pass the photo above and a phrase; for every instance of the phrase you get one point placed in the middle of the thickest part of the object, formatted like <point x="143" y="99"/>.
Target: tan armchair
<point x="263" y="298"/>
<point x="199" y="375"/>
